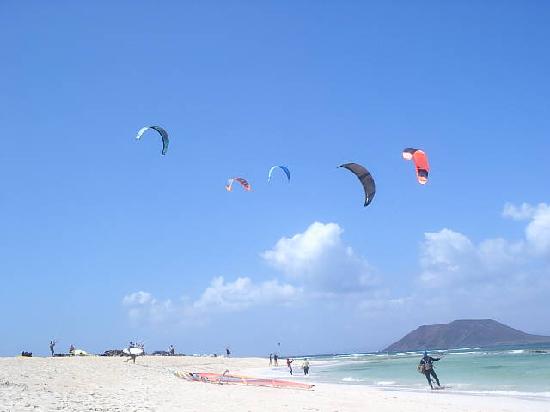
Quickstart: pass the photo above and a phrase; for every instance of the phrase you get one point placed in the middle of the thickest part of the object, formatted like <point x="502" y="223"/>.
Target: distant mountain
<point x="464" y="333"/>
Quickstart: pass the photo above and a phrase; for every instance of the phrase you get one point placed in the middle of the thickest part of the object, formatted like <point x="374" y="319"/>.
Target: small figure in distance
<point x="305" y="366"/>
<point x="132" y="358"/>
<point x="289" y="364"/>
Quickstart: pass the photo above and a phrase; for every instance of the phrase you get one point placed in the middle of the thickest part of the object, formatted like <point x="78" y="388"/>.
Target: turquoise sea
<point x="516" y="371"/>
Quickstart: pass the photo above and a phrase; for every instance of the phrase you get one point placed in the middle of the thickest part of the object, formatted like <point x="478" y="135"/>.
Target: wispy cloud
<point x="219" y="297"/>
<point x="142" y="305"/>
<point x="243" y="293"/>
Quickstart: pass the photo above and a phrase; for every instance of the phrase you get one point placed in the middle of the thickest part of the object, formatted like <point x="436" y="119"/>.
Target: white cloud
<point x="137" y="298"/>
<point x="319" y="259"/>
<point x="537" y="232"/>
<point x="143" y="305"/>
<point x="243" y="293"/>
<point x="220" y="296"/>
<point x="523" y="212"/>
<point x="458" y="277"/>
<point x="446" y="256"/>
<point x="451" y="258"/>
<point x="499" y="254"/>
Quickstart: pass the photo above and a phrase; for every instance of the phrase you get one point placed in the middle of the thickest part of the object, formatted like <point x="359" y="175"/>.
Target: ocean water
<point x="514" y="371"/>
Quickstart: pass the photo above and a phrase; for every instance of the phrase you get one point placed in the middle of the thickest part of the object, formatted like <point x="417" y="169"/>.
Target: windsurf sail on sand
<point x="222" y="379"/>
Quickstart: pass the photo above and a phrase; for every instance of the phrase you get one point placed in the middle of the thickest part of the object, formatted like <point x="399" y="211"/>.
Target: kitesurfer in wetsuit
<point x="426" y="363"/>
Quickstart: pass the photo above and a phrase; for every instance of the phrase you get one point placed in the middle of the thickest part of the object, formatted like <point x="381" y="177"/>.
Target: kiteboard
<point x="440" y="388"/>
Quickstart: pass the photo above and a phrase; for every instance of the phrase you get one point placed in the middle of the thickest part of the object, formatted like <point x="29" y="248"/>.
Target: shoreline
<point x="110" y="383"/>
<point x="449" y="389"/>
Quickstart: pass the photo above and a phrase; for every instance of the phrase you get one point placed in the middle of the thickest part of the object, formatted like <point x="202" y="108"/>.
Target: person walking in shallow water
<point x="276" y="359"/>
<point x="426" y="367"/>
<point x="305" y="367"/>
<point x="270" y="359"/>
<point x="289" y="364"/>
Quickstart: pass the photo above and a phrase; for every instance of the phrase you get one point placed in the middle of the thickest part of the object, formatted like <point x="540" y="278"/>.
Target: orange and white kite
<point x="420" y="163"/>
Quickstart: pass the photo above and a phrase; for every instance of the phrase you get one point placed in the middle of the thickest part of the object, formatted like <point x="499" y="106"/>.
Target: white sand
<point x="111" y="384"/>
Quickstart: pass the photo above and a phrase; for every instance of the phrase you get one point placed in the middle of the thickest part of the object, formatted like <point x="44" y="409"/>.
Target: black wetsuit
<point x="429" y="372"/>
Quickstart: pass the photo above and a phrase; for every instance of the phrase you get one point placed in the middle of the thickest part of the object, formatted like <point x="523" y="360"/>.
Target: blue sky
<point x="103" y="240"/>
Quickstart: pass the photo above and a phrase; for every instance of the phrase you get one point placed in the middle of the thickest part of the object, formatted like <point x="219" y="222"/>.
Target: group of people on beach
<point x="425" y="367"/>
<point x="53" y="342"/>
<point x="274" y="361"/>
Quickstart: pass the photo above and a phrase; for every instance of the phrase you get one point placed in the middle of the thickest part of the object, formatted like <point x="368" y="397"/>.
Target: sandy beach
<point x="111" y="384"/>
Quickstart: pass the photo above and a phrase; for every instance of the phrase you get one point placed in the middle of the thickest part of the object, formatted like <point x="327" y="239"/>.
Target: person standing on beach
<point x="305" y="367"/>
<point x="172" y="350"/>
<point x="132" y="357"/>
<point x="227" y="352"/>
<point x="426" y="367"/>
<point x="276" y="359"/>
<point x="270" y="359"/>
<point x="289" y="364"/>
<point x="52" y="346"/>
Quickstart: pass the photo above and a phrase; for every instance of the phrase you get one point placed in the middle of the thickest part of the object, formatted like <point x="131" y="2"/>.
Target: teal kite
<point x="283" y="168"/>
<point x="163" y="133"/>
